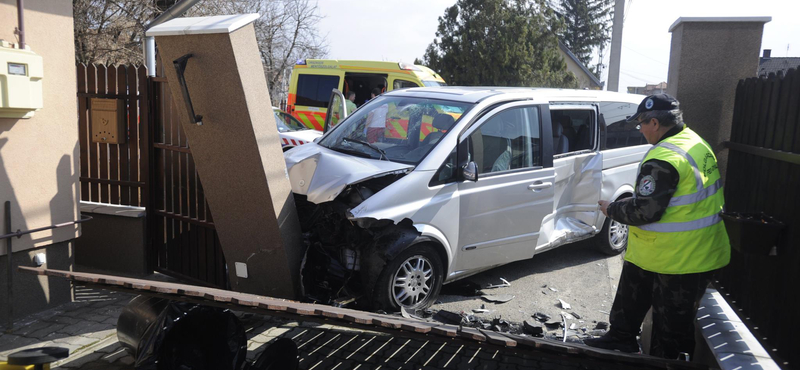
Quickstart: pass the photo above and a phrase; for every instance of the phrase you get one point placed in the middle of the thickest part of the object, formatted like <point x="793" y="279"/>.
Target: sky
<point x="394" y="30"/>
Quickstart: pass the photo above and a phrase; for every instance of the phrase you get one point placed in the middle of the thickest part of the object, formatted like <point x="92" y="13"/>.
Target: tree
<point x="587" y="28"/>
<point x="111" y="31"/>
<point x="285" y="32"/>
<point x="498" y="43"/>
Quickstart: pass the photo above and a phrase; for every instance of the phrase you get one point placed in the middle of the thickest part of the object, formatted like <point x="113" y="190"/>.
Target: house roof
<point x="776" y="65"/>
<point x="580" y="64"/>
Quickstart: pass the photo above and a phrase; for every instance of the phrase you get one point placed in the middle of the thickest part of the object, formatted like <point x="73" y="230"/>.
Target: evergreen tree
<point x="586" y="28"/>
<point x="498" y="43"/>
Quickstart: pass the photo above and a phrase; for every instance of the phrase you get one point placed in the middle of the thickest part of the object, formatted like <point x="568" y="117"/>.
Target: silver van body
<point x="503" y="216"/>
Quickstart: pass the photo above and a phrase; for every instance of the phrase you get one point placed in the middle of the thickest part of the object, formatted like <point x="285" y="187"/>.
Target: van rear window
<point x="315" y="90"/>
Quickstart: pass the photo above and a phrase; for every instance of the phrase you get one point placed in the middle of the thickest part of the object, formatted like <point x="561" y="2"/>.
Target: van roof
<point x="475" y="94"/>
<point x="422" y="72"/>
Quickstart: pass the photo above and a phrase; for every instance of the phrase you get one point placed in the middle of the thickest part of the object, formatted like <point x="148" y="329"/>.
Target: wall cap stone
<point x="112" y="209"/>
<point x="719" y="19"/>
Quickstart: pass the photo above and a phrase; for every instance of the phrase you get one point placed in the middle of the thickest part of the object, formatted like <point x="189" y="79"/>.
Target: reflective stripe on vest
<point x="683" y="226"/>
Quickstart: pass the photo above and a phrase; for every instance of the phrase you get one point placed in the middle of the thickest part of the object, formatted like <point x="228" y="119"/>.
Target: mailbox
<point x="108" y="121"/>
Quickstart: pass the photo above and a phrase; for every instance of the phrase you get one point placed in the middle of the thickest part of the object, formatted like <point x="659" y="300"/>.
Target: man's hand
<point x="604" y="206"/>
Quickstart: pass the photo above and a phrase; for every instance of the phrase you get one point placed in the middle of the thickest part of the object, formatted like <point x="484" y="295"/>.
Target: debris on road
<point x="498" y="298"/>
<point x="505" y="284"/>
<point x="553" y="324"/>
<point x="573" y="326"/>
<point x="543" y="317"/>
<point x="564" y="305"/>
<point x="601" y="325"/>
<point x="575" y="315"/>
<point x="464" y="288"/>
<point x="482" y="309"/>
<point x="447" y="317"/>
<point x="607" y="313"/>
<point x="553" y="289"/>
<point x="531" y="328"/>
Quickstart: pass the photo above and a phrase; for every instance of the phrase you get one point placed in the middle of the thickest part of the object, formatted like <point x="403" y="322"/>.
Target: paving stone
<point x="50" y="329"/>
<point x="63" y="320"/>
<point x="101" y="334"/>
<point x="35" y="344"/>
<point x="76" y="341"/>
<point x="26" y="330"/>
<point x="16" y="343"/>
<point x="78" y="361"/>
<point x="112" y="347"/>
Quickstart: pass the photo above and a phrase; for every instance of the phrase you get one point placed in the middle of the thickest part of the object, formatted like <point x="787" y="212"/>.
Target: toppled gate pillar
<point x="214" y="70"/>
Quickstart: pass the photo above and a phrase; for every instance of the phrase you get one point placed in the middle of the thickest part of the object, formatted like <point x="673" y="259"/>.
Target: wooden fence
<point x="764" y="176"/>
<point x="114" y="173"/>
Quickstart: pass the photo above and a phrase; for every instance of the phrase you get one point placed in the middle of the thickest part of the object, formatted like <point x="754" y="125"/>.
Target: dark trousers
<point x="674" y="299"/>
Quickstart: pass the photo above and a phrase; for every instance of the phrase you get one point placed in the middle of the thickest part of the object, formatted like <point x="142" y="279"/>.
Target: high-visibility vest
<point x="690" y="237"/>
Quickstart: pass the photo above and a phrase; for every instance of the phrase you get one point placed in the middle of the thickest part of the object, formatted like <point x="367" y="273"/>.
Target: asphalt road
<point x="581" y="276"/>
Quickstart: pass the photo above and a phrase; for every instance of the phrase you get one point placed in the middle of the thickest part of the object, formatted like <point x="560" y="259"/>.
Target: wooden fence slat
<point x="83" y="131"/>
<point x="103" y="147"/>
<point x="133" y="133"/>
<point x="144" y="136"/>
<point x="113" y="149"/>
<point x="125" y="150"/>
<point x="91" y="77"/>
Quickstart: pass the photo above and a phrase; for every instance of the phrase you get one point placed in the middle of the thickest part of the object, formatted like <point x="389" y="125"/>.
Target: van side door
<point x="501" y="212"/>
<point x="578" y="165"/>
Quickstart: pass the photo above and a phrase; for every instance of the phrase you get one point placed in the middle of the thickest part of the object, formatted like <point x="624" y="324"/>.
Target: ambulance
<point x="314" y="79"/>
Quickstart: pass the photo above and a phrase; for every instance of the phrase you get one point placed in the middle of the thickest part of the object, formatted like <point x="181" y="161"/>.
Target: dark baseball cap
<point x="655" y="102"/>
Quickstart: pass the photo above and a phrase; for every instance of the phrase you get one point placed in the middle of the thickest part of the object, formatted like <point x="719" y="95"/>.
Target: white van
<point x="505" y="174"/>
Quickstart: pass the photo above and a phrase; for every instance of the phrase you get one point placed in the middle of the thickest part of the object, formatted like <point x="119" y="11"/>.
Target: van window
<point x="433" y="83"/>
<point x="315" y="90"/>
<point x="573" y="130"/>
<point x="620" y="134"/>
<point x="402" y="84"/>
<point x="508" y="140"/>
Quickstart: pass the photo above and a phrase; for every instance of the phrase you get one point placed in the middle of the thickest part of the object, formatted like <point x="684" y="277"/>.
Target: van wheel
<point x="613" y="239"/>
<point x="412" y="280"/>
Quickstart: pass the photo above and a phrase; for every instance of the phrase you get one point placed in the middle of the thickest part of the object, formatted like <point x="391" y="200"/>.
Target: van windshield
<point x="399" y="129"/>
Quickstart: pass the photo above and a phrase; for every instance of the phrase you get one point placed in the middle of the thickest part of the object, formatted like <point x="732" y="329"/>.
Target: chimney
<point x="767" y="53"/>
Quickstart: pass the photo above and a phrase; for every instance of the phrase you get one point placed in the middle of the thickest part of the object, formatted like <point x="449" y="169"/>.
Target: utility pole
<point x="616" y="45"/>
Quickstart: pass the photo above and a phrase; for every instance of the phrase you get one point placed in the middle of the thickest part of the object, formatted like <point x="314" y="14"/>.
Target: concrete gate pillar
<point x="236" y="148"/>
<point x="708" y="57"/>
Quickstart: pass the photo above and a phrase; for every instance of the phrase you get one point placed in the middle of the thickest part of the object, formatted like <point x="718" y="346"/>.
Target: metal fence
<point x="763" y="175"/>
<point x="153" y="168"/>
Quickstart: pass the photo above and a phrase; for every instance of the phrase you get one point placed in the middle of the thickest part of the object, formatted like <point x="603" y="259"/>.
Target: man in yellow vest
<point x="676" y="238"/>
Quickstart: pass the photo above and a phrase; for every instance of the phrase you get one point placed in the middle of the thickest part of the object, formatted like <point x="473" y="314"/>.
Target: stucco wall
<point x="583" y="79"/>
<point x="39" y="158"/>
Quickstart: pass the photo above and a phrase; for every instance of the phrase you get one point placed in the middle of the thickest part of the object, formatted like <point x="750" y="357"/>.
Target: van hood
<point x="321" y="174"/>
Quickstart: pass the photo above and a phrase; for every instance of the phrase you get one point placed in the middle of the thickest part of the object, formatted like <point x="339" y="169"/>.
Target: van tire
<point x="613" y="238"/>
<point x="418" y="258"/>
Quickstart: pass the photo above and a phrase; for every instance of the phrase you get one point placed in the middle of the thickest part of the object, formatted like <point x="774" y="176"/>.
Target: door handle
<point x="539" y="186"/>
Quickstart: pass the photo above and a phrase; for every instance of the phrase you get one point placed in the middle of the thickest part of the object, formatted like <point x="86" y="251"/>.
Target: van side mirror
<point x="470" y="171"/>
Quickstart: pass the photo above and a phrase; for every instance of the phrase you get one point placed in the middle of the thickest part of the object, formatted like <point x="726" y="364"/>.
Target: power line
<point x="645" y="55"/>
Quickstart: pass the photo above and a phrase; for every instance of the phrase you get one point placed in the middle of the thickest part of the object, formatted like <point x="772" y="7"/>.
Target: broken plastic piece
<point x="447" y="317"/>
<point x="481" y="310"/>
<point x="553" y="289"/>
<point x="564" y="305"/>
<point x="463" y="288"/>
<point x="601" y="325"/>
<point x="543" y="317"/>
<point x="575" y="315"/>
<point x="530" y="327"/>
<point x="498" y="298"/>
<point x="505" y="284"/>
<point x="573" y="326"/>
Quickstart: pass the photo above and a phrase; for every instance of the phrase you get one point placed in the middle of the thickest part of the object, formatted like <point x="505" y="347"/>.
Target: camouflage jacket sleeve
<point x="655" y="185"/>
